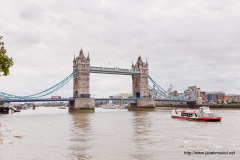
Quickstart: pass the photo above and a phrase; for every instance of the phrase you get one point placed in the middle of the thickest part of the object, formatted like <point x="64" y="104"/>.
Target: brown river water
<point x="117" y="134"/>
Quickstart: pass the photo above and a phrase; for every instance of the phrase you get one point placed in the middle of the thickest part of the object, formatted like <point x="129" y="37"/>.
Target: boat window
<point x="200" y="115"/>
<point x="210" y="115"/>
<point x="205" y="115"/>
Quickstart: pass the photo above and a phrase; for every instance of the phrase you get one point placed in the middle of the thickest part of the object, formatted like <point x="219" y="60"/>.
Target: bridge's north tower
<point x="82" y="79"/>
<point x="81" y="87"/>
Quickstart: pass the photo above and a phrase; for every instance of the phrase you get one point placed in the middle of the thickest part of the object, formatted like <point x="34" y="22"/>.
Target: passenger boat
<point x="110" y="106"/>
<point x="201" y="114"/>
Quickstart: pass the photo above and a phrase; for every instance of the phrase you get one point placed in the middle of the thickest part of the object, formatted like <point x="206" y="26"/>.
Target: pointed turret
<point x="146" y="62"/>
<point x="81" y="55"/>
<point x="139" y="61"/>
<point x="132" y="64"/>
<point x="74" y="59"/>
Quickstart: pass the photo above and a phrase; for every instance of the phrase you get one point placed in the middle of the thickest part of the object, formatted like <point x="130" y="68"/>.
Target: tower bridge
<point x="81" y="86"/>
<point x="143" y="94"/>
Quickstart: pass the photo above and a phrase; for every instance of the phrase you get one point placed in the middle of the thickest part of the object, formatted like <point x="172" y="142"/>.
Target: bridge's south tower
<point x="140" y="81"/>
<point x="81" y="80"/>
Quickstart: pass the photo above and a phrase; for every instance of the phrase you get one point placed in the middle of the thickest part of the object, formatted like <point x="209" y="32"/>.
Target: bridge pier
<point x="143" y="104"/>
<point x="82" y="105"/>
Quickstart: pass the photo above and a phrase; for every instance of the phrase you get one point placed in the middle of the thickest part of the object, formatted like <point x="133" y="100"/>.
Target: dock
<point x="8" y="110"/>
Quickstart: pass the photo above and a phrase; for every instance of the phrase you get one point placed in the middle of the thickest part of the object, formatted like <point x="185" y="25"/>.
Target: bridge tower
<point x="81" y="85"/>
<point x="81" y="80"/>
<point x="140" y="81"/>
<point x="140" y="86"/>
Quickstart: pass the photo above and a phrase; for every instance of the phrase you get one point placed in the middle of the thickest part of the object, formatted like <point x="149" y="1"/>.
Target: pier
<point x="8" y="110"/>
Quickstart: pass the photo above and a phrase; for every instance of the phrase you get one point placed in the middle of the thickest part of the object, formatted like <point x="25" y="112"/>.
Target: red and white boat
<point x="201" y="114"/>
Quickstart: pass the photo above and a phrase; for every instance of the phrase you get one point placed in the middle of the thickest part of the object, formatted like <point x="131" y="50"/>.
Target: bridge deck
<point x="36" y="100"/>
<point x="96" y="99"/>
<point x="175" y="100"/>
<point x="105" y="70"/>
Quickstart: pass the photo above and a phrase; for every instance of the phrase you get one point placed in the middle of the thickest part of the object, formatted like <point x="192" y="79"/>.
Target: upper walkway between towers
<point x="116" y="70"/>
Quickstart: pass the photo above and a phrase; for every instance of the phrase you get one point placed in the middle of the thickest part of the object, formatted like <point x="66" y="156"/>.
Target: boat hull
<point x="200" y="118"/>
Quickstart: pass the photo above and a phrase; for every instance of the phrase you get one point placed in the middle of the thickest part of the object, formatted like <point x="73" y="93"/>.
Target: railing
<point x="35" y="99"/>
<point x="129" y="100"/>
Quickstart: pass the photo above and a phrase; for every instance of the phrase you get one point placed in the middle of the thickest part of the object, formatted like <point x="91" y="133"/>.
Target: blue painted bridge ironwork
<point x="175" y="100"/>
<point x="97" y="100"/>
<point x="35" y="99"/>
<point x="129" y="100"/>
<point x="158" y="91"/>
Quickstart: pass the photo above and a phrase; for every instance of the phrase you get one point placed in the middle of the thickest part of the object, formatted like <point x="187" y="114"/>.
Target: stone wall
<point x="82" y="104"/>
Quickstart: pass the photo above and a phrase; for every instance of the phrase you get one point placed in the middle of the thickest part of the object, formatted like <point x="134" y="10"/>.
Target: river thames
<point x="49" y="133"/>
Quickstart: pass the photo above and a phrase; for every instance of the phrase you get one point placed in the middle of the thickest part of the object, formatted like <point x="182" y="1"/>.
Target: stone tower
<point x="140" y="81"/>
<point x="81" y="80"/>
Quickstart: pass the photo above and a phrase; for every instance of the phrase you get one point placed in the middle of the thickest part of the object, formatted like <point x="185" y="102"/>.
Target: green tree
<point x="5" y="61"/>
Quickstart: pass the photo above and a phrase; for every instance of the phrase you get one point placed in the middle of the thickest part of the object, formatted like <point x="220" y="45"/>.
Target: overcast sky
<point x="186" y="42"/>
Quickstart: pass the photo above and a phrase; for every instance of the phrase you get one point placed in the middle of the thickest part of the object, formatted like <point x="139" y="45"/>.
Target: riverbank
<point x="230" y="106"/>
<point x="223" y="106"/>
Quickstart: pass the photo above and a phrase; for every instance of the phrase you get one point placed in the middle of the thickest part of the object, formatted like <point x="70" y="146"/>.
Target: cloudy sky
<point x="187" y="42"/>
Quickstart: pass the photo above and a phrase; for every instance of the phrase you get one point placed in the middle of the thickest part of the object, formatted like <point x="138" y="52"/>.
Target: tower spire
<point x="81" y="55"/>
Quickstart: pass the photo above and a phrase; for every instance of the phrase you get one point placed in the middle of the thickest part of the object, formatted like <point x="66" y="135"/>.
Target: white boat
<point x="201" y="114"/>
<point x="110" y="106"/>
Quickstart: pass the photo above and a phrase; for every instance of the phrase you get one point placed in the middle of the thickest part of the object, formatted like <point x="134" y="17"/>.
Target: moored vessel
<point x="201" y="114"/>
<point x="110" y="106"/>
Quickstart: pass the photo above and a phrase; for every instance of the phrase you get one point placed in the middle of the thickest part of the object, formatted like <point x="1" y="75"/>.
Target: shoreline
<point x="230" y="106"/>
<point x="219" y="106"/>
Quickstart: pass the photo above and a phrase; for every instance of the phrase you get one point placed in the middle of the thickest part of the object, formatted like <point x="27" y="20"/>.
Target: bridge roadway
<point x="131" y="100"/>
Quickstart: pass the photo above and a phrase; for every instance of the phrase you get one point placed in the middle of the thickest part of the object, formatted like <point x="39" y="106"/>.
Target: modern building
<point x="233" y="97"/>
<point x="215" y="96"/>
